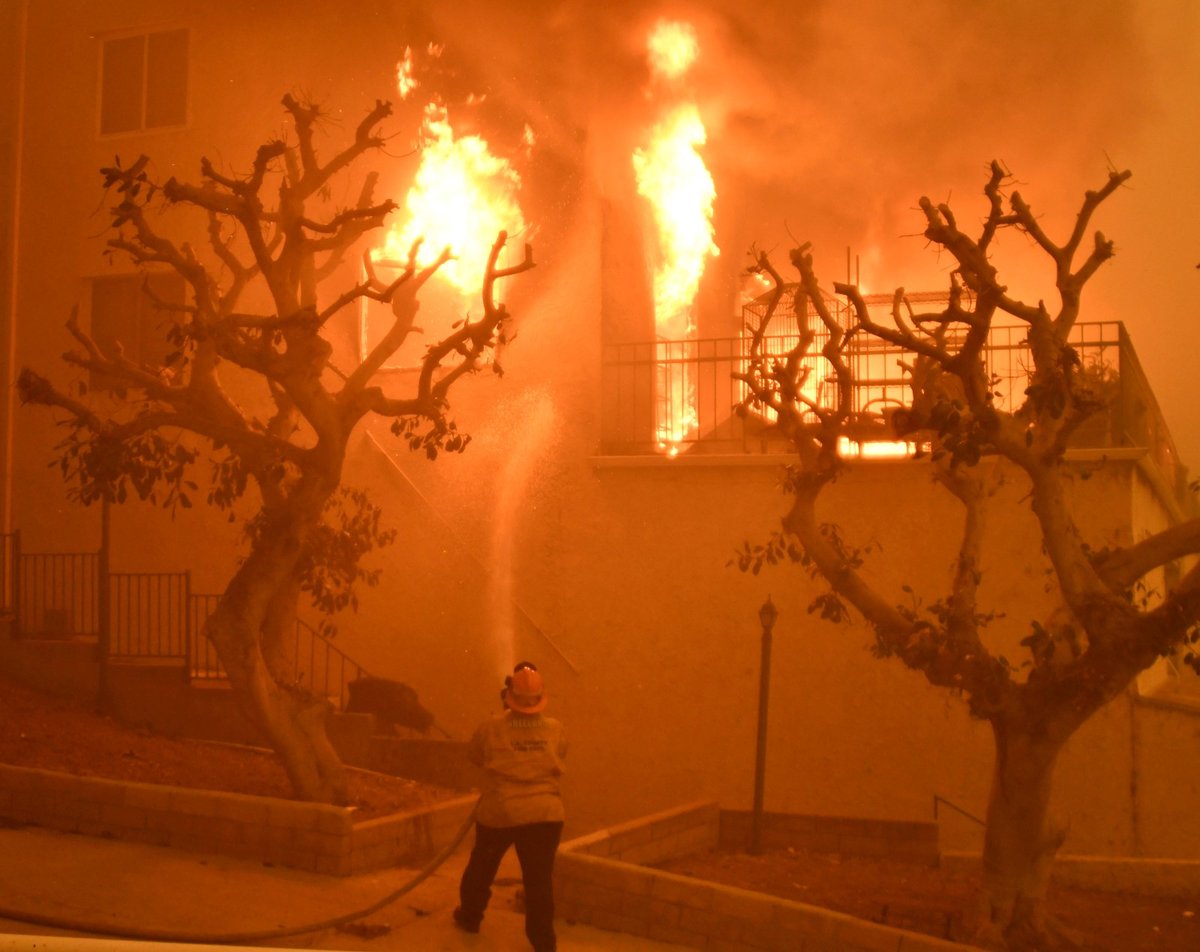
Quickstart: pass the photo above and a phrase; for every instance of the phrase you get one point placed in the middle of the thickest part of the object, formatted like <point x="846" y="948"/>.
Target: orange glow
<point x="672" y="177"/>
<point x="462" y="196"/>
<point x="405" y="81"/>
<point x="672" y="48"/>
<point x="875" y="449"/>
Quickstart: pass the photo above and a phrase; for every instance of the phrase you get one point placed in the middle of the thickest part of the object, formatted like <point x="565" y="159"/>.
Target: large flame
<point x="672" y="177"/>
<point x="462" y="196"/>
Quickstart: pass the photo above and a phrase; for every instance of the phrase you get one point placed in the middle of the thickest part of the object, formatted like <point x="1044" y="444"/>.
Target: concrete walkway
<point x="127" y="885"/>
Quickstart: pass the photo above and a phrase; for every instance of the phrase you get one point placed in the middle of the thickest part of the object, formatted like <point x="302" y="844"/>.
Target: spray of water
<point x="536" y="419"/>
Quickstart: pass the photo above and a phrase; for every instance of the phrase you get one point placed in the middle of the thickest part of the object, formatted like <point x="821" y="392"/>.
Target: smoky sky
<point x="837" y="115"/>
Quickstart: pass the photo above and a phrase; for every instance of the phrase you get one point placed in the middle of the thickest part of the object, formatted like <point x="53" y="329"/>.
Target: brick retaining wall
<point x="1148" y="877"/>
<point x="596" y="882"/>
<point x="908" y="841"/>
<point x="310" y="836"/>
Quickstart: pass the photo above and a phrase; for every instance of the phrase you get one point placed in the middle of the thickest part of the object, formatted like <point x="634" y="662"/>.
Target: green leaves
<point x="441" y="435"/>
<point x="778" y="548"/>
<point x="103" y="465"/>
<point x="331" y="564"/>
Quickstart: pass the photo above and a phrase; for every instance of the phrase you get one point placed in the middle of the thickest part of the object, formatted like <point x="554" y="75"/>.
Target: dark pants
<point x="536" y="845"/>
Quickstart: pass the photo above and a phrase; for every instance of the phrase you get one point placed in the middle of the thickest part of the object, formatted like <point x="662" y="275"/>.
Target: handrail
<point x="156" y="613"/>
<point x="330" y="649"/>
<point x="956" y="808"/>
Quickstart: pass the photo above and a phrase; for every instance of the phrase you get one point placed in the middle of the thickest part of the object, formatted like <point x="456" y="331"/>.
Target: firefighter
<point x="521" y="752"/>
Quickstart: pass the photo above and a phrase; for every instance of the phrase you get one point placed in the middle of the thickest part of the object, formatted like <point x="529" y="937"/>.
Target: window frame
<point x="146" y="346"/>
<point x="145" y="33"/>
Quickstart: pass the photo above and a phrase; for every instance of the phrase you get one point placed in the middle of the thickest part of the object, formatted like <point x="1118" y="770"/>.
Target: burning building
<point x="608" y="482"/>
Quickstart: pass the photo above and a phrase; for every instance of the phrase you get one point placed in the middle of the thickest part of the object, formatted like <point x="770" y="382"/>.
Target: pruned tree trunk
<point x="248" y="629"/>
<point x="1020" y="843"/>
<point x="1099" y="637"/>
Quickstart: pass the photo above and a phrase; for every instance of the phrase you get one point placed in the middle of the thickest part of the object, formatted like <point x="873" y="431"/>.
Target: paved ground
<point x="121" y="885"/>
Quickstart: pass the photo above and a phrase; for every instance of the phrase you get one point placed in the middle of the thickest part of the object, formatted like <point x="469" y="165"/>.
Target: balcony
<point x="676" y="398"/>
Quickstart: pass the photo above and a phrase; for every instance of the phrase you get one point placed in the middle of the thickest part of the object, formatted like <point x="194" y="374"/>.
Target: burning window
<point x="463" y="194"/>
<point x="143" y="81"/>
<point x="135" y="312"/>
<point x="674" y="180"/>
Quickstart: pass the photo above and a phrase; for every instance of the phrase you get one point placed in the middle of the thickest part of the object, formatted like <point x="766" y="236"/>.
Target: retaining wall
<point x="596" y="882"/>
<point x="310" y="836"/>
<point x="1147" y="877"/>
<point x="909" y="841"/>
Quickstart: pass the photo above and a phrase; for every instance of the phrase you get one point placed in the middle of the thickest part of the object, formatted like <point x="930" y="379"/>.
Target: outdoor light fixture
<point x="767" y="616"/>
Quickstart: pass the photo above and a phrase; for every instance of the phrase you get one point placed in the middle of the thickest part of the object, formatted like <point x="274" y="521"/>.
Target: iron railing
<point x="57" y="593"/>
<point x="940" y="800"/>
<point x="638" y="380"/>
<point x="314" y="662"/>
<point x="150" y="615"/>
<point x="328" y="669"/>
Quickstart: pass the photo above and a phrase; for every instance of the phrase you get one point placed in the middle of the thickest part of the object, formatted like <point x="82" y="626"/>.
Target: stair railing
<point x="140" y="615"/>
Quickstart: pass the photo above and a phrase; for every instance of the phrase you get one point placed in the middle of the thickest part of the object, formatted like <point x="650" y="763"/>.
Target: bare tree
<point x="1090" y="649"/>
<point x="253" y="393"/>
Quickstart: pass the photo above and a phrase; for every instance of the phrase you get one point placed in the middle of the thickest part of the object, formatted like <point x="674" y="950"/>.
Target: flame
<point x="462" y="196"/>
<point x="406" y="82"/>
<point x="875" y="449"/>
<point x="672" y="177"/>
<point x="672" y="48"/>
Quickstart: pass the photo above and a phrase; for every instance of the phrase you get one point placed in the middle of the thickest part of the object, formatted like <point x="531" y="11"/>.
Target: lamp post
<point x="767" y="615"/>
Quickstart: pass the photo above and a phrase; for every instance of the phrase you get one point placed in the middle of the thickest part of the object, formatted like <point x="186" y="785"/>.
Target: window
<point x="143" y="81"/>
<point x="442" y="306"/>
<point x="129" y="310"/>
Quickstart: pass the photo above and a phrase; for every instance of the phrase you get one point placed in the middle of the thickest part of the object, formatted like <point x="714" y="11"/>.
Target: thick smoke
<point x="828" y="119"/>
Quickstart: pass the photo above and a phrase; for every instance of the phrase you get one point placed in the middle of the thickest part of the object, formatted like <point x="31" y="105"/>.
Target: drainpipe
<point x="8" y="317"/>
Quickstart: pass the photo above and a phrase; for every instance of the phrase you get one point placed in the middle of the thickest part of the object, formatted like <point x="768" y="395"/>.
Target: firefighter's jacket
<point x="522" y="760"/>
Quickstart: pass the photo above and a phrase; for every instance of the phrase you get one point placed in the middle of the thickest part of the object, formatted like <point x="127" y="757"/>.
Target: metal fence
<point x="203" y="662"/>
<point x="146" y="615"/>
<point x="635" y="376"/>
<point x="57" y="593"/>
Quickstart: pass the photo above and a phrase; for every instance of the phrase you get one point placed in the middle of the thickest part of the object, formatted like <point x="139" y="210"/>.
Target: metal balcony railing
<point x="640" y="383"/>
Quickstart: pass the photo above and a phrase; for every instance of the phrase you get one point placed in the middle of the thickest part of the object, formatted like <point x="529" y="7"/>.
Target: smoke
<point x="839" y="116"/>
<point x="827" y="120"/>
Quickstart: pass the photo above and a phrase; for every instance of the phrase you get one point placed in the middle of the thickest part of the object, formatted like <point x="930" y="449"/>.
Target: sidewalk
<point x="89" y="880"/>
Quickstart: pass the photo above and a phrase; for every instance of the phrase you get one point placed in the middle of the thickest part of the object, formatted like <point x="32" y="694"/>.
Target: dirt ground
<point x="37" y="730"/>
<point x="931" y="900"/>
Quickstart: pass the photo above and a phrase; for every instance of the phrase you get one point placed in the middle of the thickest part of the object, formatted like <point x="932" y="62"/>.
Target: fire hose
<point x="241" y="938"/>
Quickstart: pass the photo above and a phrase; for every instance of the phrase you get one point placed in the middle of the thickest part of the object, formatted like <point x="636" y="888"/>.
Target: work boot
<point x="462" y="922"/>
